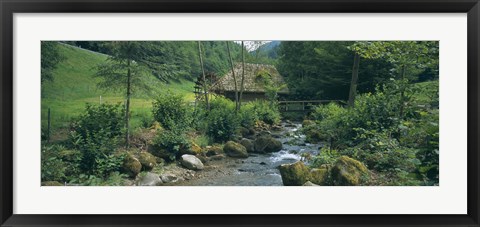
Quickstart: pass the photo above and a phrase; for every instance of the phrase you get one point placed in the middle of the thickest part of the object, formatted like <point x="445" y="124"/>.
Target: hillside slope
<point x="74" y="85"/>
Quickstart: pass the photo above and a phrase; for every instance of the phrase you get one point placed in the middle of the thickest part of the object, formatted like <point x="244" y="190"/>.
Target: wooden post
<point x="48" y="126"/>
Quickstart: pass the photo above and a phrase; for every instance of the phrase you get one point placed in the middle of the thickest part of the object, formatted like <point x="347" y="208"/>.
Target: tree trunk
<point x="205" y="90"/>
<point x="243" y="77"/>
<point x="353" y="84"/>
<point x="127" y="106"/>
<point x="234" y="77"/>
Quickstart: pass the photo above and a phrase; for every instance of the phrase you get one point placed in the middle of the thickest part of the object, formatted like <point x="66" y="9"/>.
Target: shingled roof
<point x="253" y="80"/>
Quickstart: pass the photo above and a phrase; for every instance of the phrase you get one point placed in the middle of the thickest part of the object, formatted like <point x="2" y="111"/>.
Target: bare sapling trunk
<point x="353" y="84"/>
<point x="127" y="106"/>
<point x="205" y="89"/>
<point x="243" y="76"/>
<point x="234" y="77"/>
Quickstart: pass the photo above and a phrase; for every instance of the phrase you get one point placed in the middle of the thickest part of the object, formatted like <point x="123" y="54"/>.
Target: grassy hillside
<point x="74" y="86"/>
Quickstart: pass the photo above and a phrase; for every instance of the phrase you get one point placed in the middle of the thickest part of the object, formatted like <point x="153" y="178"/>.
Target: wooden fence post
<point x="48" y="126"/>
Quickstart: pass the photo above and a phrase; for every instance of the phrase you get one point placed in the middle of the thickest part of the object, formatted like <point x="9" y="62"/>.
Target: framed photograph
<point x="260" y="113"/>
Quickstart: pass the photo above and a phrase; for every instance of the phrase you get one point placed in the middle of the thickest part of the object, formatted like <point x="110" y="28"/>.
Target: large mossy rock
<point x="147" y="160"/>
<point x="248" y="144"/>
<point x="295" y="174"/>
<point x="131" y="166"/>
<point x="319" y="176"/>
<point x="349" y="172"/>
<point x="191" y="162"/>
<point x="267" y="144"/>
<point x="235" y="150"/>
<point x="160" y="152"/>
<point x="214" y="150"/>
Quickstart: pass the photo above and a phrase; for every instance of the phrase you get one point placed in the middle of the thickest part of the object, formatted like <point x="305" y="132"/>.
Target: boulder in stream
<point x="191" y="162"/>
<point x="294" y="174"/>
<point x="248" y="144"/>
<point x="267" y="144"/>
<point x="235" y="150"/>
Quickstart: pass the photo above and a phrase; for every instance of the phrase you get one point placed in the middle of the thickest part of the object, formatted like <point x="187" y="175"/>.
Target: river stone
<point x="267" y="144"/>
<point x="148" y="179"/>
<point x="214" y="150"/>
<point x="248" y="144"/>
<point x="191" y="162"/>
<point x="169" y="178"/>
<point x="308" y="183"/>
<point x="295" y="174"/>
<point x="131" y="166"/>
<point x="318" y="176"/>
<point x="147" y="160"/>
<point x="235" y="150"/>
<point x="217" y="157"/>
<point x="349" y="172"/>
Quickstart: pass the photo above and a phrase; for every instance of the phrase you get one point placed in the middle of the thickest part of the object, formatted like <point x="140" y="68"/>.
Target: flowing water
<point x="262" y="169"/>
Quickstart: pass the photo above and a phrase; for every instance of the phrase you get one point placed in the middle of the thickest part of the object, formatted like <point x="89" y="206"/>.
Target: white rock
<point x="148" y="179"/>
<point x="191" y="162"/>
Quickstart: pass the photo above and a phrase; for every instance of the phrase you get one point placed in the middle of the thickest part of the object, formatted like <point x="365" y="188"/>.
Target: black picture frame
<point x="9" y="7"/>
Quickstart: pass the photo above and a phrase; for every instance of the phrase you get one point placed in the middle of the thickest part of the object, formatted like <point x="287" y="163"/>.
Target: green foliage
<point x="96" y="134"/>
<point x="265" y="112"/>
<point x="401" y="148"/>
<point x="172" y="141"/>
<point x="53" y="167"/>
<point x="113" y="179"/>
<point x="50" y="57"/>
<point x="222" y="120"/>
<point x="326" y="157"/>
<point x="171" y="111"/>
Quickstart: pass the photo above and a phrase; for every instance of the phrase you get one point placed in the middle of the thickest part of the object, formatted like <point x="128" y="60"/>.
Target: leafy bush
<point x="266" y="112"/>
<point x="325" y="157"/>
<point x="171" y="141"/>
<point x="222" y="121"/>
<point x="171" y="111"/>
<point x="105" y="118"/>
<point x="96" y="133"/>
<point x="53" y="167"/>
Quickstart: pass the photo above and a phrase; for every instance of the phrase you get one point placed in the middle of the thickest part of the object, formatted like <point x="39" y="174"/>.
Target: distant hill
<point x="270" y="49"/>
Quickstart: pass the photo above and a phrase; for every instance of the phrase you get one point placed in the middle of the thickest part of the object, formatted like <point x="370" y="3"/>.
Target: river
<point x="257" y="169"/>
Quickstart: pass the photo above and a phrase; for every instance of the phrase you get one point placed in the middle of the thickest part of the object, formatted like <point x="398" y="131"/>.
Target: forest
<point x="240" y="113"/>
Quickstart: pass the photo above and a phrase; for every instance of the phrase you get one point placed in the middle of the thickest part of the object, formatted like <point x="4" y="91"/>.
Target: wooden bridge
<point x="304" y="105"/>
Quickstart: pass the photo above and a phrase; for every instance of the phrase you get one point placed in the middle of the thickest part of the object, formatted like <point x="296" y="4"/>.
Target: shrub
<point x="96" y="133"/>
<point x="53" y="167"/>
<point x="171" y="111"/>
<point x="172" y="141"/>
<point x="325" y="157"/>
<point x="105" y="118"/>
<point x="222" y="120"/>
<point x="266" y="112"/>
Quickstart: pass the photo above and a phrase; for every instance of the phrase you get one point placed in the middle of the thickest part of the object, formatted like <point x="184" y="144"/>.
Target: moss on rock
<point x="131" y="166"/>
<point x="295" y="174"/>
<point x="267" y="144"/>
<point x="235" y="150"/>
<point x="349" y="172"/>
<point x="319" y="176"/>
<point x="147" y="160"/>
<point x="307" y="123"/>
